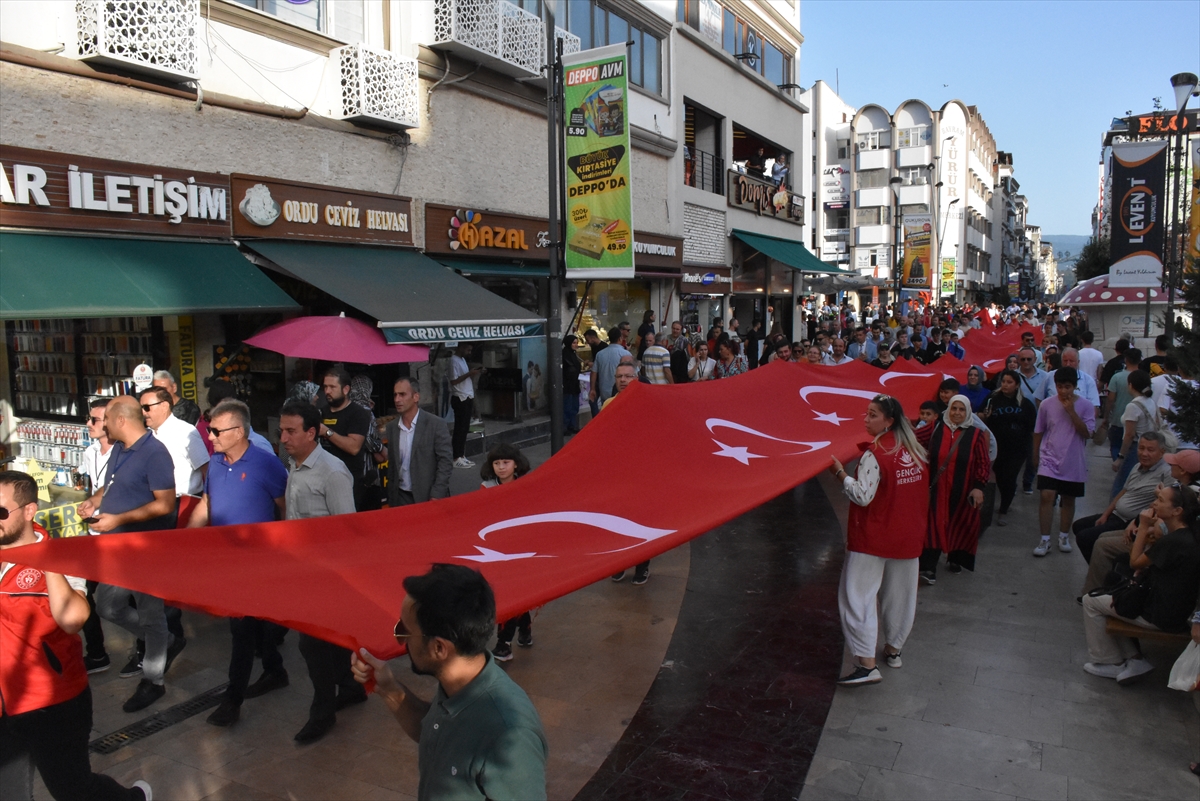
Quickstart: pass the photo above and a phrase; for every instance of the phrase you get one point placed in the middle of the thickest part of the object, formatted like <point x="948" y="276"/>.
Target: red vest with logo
<point x="40" y="664"/>
<point x="893" y="524"/>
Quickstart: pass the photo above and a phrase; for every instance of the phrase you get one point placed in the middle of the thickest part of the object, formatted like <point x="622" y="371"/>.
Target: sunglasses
<point x="147" y="406"/>
<point x="216" y="432"/>
<point x="6" y="513"/>
<point x="401" y="632"/>
<point x="95" y="420"/>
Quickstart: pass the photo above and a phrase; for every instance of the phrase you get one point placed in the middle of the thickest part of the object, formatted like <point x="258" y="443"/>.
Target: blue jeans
<point x="1115" y="436"/>
<point x="571" y="412"/>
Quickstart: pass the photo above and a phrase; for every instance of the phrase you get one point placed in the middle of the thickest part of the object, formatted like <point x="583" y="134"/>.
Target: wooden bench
<point x="1119" y="628"/>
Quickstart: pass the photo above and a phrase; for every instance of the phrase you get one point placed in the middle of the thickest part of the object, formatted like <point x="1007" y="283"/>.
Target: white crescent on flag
<point x="612" y="523"/>
<point x="886" y="377"/>
<point x="743" y="455"/>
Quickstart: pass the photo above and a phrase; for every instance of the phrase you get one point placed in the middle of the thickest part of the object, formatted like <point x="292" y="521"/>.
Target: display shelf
<point x="53" y="444"/>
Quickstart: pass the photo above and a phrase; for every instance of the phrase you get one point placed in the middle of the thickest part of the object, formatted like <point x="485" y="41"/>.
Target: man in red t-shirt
<point x="45" y="701"/>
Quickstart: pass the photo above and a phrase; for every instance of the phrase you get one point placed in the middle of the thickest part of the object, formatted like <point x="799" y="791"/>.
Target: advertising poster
<point x="1139" y="175"/>
<point x="916" y="271"/>
<point x="1193" y="249"/>
<point x="599" y="224"/>
<point x="948" y="269"/>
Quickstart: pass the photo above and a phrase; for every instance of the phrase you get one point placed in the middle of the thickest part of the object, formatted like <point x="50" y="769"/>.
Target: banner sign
<point x="916" y="271"/>
<point x="1139" y="175"/>
<point x="1193" y="248"/>
<point x="467" y="231"/>
<point x="429" y="333"/>
<point x="761" y="196"/>
<point x="948" y="270"/>
<point x="599" y="224"/>
<point x="61" y="521"/>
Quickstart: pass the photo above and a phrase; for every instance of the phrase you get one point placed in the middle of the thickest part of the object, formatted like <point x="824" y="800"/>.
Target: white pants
<point x="872" y="586"/>
<point x="1103" y="648"/>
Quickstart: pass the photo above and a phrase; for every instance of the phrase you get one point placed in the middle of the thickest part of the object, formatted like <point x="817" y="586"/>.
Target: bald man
<point x="138" y="495"/>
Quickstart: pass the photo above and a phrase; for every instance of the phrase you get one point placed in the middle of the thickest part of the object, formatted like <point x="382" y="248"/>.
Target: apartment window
<point x="750" y="150"/>
<point x="870" y="179"/>
<point x="914" y="176"/>
<point x="843" y="149"/>
<point x="738" y="36"/>
<point x="914" y="208"/>
<point x="837" y="218"/>
<point x="597" y="26"/>
<point x="913" y="137"/>
<point x="873" y="140"/>
<point x="343" y="20"/>
<point x="875" y="215"/>
<point x="703" y="166"/>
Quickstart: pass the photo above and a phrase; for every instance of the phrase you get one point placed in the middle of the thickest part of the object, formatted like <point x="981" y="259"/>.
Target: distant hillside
<point x="1072" y="244"/>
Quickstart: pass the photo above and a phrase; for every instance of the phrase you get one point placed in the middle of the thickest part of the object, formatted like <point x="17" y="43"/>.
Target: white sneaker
<point x="463" y="461"/>
<point x="893" y="660"/>
<point x="1064" y="543"/>
<point x="145" y="788"/>
<point x="1134" y="670"/>
<point x="1043" y="548"/>
<point x="1104" y="671"/>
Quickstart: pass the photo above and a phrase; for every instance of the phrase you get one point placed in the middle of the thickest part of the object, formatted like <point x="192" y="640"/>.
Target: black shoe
<point x="314" y="730"/>
<point x="927" y="577"/>
<point x="641" y="577"/>
<point x="226" y="714"/>
<point x="347" y="698"/>
<point x="97" y="664"/>
<point x="525" y="638"/>
<point x="173" y="651"/>
<point x="274" y="680"/>
<point x="502" y="652"/>
<point x="618" y="576"/>
<point x="953" y="567"/>
<point x="860" y="675"/>
<point x="146" y="694"/>
<point x="132" y="668"/>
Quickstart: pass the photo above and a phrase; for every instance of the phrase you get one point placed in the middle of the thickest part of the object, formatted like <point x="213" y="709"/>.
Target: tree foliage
<point x="1185" y="396"/>
<point x="1094" y="260"/>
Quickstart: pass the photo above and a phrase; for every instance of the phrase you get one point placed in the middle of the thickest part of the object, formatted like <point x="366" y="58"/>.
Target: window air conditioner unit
<point x="378" y="87"/>
<point x="154" y="37"/>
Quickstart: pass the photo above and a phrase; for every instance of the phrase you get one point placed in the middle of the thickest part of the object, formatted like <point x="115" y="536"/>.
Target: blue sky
<point x="1048" y="77"/>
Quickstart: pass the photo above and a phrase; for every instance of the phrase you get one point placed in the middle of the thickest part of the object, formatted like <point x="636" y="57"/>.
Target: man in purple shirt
<point x="1064" y="425"/>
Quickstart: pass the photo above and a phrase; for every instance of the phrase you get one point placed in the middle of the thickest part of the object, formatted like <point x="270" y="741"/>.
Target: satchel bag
<point x="1129" y="599"/>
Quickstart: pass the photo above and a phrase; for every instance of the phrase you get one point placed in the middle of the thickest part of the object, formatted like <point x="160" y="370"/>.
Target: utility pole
<point x="554" y="322"/>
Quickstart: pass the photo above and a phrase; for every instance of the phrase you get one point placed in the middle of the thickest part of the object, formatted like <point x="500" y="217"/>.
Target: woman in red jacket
<point x="889" y="505"/>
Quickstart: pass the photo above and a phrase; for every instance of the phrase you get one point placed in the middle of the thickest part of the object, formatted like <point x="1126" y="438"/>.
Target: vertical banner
<point x="1193" y="248"/>
<point x="948" y="271"/>
<point x="599" y="224"/>
<point x="916" y="271"/>
<point x="1139" y="175"/>
<point x="184" y="359"/>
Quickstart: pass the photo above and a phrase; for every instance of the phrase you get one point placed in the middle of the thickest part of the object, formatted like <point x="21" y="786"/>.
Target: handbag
<point x="988" y="507"/>
<point x="1129" y="599"/>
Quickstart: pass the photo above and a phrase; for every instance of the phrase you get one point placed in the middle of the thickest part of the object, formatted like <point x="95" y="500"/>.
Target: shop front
<point x="703" y="297"/>
<point x="106" y="267"/>
<point x="655" y="286"/>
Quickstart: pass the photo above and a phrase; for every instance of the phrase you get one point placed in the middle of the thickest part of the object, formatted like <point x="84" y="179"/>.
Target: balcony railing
<point x="378" y="87"/>
<point x="497" y="34"/>
<point x="704" y="171"/>
<point x="155" y="37"/>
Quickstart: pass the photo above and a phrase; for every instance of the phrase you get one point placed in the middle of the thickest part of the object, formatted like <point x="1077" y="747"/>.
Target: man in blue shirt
<point x="139" y="495"/>
<point x="245" y="486"/>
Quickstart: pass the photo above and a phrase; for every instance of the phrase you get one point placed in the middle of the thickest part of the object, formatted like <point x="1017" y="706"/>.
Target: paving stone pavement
<point x="992" y="701"/>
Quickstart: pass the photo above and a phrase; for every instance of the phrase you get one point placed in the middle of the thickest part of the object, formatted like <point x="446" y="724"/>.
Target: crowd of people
<point x="920" y="495"/>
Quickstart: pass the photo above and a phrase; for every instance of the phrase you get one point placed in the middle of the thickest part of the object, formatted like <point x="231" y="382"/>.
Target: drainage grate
<point x="157" y="722"/>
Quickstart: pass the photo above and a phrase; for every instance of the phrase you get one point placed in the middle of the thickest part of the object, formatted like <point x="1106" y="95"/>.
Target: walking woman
<point x="571" y="368"/>
<point x="958" y="468"/>
<point x="889" y="505"/>
<point x="731" y="362"/>
<point x="1011" y="418"/>
<point x="505" y="464"/>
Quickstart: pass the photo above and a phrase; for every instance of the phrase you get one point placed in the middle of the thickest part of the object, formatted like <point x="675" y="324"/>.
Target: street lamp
<point x="1184" y="85"/>
<point x="895" y="182"/>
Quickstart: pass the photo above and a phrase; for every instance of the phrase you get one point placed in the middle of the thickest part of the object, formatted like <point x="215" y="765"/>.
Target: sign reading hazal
<point x="266" y="207"/>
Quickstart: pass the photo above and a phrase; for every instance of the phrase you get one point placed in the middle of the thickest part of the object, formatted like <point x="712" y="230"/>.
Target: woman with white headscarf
<point x="959" y="466"/>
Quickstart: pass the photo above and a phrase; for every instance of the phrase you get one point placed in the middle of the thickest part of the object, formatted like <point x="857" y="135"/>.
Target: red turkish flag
<point x="944" y="366"/>
<point x="339" y="578"/>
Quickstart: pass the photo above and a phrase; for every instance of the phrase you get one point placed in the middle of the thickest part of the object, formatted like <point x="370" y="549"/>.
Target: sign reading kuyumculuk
<point x="599" y="224"/>
<point x="1138" y="178"/>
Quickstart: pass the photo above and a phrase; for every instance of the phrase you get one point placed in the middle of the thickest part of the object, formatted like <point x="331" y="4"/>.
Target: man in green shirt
<point x="480" y="736"/>
<point x="1118" y="398"/>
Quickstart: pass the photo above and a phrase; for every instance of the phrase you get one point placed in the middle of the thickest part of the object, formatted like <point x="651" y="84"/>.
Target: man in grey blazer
<point x="418" y="450"/>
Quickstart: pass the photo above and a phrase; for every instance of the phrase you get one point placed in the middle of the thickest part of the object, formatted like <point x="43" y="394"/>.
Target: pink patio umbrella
<point x="335" y="339"/>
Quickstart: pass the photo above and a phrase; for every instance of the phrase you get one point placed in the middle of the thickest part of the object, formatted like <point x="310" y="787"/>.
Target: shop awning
<point x="414" y="298"/>
<point x="789" y="252"/>
<point x="497" y="268"/>
<point x="84" y="276"/>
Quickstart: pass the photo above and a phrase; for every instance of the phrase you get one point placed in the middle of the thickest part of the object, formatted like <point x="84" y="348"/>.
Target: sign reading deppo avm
<point x="275" y="209"/>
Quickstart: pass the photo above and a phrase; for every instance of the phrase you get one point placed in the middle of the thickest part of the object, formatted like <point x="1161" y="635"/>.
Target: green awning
<point x="789" y="252"/>
<point x="414" y="298"/>
<point x="496" y="268"/>
<point x="84" y="276"/>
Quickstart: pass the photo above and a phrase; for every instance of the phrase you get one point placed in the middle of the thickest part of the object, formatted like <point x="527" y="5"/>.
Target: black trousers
<point x="509" y="629"/>
<point x="250" y="633"/>
<point x="55" y="741"/>
<point x="929" y="560"/>
<point x="93" y="631"/>
<point x="1087" y="530"/>
<point x="329" y="670"/>
<point x="463" y="409"/>
<point x="1008" y="467"/>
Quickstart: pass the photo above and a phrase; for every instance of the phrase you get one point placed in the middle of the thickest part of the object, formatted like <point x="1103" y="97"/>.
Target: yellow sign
<point x="917" y="272"/>
<point x="43" y="477"/>
<point x="62" y="521"/>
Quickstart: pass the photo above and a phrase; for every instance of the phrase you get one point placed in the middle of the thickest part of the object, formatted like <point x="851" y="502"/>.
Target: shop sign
<point x="185" y="359"/>
<point x="1162" y="123"/>
<point x="466" y="231"/>
<point x="1139" y="177"/>
<point x="41" y="189"/>
<point x="763" y="197"/>
<point x="710" y="21"/>
<point x="653" y="250"/>
<point x="429" y="334"/>
<point x="268" y="208"/>
<point x="949" y="267"/>
<point x="835" y="184"/>
<point x="599" y="223"/>
<point x="709" y="282"/>
<point x="916" y="271"/>
<point x="61" y="521"/>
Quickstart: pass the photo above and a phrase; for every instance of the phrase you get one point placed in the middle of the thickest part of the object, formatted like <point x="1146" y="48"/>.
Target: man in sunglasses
<point x="188" y="454"/>
<point x="138" y="495"/>
<point x="94" y="465"/>
<point x="47" y="703"/>
<point x="480" y="736"/>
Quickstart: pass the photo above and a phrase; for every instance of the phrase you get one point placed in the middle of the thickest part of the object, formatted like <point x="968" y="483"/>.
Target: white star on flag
<point x="488" y="555"/>
<point x="743" y="455"/>
<point x="831" y="417"/>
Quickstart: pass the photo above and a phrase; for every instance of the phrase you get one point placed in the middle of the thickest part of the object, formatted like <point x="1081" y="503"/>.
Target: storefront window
<point x="612" y="302"/>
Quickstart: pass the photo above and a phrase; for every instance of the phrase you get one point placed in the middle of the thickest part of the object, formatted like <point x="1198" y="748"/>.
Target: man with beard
<point x="480" y="736"/>
<point x="344" y="430"/>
